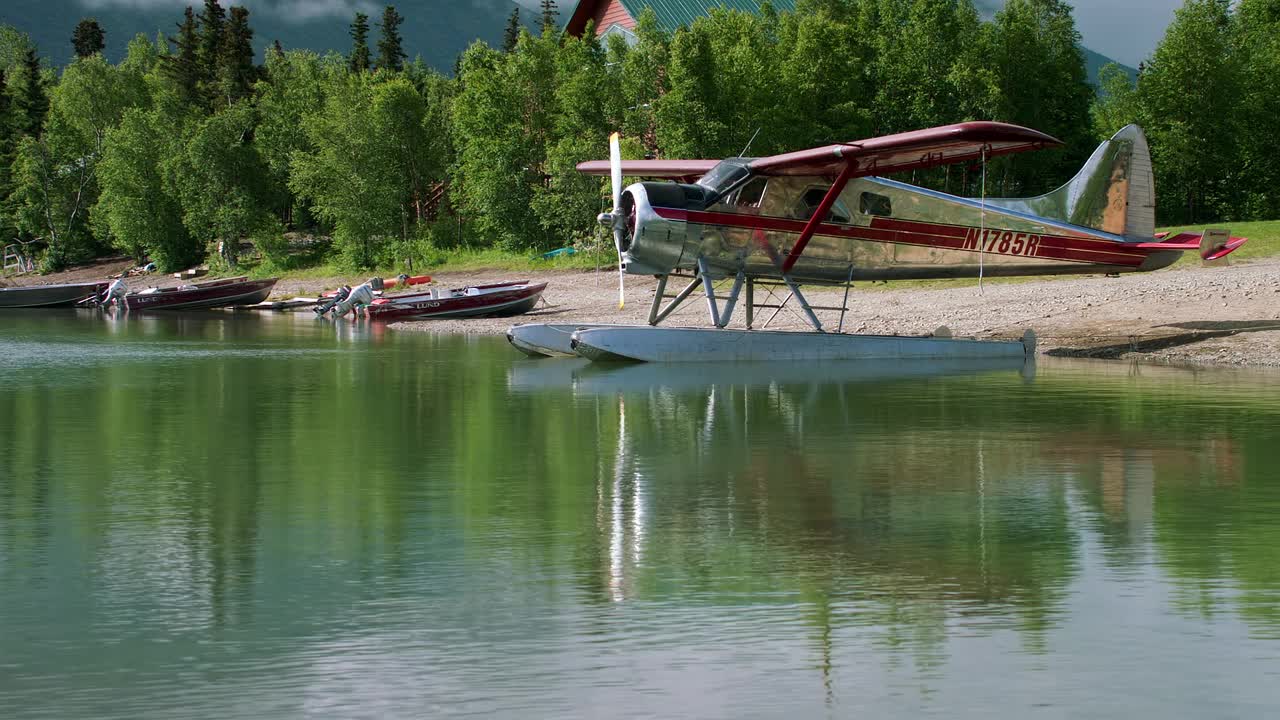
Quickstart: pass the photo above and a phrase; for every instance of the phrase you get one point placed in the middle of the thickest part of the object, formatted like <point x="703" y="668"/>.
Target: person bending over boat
<point x="115" y="293"/>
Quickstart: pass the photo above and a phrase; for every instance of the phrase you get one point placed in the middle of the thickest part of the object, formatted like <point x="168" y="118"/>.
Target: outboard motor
<point x="342" y="294"/>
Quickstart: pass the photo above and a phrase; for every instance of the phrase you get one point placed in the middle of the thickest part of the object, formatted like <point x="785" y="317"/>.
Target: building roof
<point x="671" y="14"/>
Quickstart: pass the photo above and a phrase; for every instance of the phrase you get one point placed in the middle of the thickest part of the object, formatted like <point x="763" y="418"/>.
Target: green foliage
<point x="57" y="172"/>
<point x="1186" y="94"/>
<point x="88" y="38"/>
<point x="359" y="61"/>
<point x="236" y="70"/>
<point x="8" y="151"/>
<point x="1041" y="83"/>
<point x="1117" y="103"/>
<point x="511" y="35"/>
<point x="369" y="163"/>
<point x="143" y="217"/>
<point x="30" y="101"/>
<point x="220" y="180"/>
<point x="391" y="54"/>
<point x="183" y="67"/>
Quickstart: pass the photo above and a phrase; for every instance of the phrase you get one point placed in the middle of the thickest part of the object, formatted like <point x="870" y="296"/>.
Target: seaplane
<point x="828" y="216"/>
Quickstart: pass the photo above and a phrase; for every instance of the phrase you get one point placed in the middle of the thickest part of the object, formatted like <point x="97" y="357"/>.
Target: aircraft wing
<point x="908" y="151"/>
<point x="652" y="168"/>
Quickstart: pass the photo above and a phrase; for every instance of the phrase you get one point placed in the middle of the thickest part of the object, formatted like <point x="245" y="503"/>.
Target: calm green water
<point x="240" y="516"/>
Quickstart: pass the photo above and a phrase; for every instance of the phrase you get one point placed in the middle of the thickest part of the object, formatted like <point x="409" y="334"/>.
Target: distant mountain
<point x="436" y="30"/>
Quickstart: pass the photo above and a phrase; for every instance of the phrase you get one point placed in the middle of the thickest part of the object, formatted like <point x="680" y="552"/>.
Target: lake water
<point x="215" y="516"/>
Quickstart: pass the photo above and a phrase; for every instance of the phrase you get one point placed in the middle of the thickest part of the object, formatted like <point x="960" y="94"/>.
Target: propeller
<point x="616" y="218"/>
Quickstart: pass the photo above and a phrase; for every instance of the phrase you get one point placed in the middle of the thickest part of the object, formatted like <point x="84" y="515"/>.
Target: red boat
<point x="499" y="300"/>
<point x="213" y="294"/>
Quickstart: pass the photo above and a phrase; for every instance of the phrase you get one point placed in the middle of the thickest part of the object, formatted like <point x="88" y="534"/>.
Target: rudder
<point x="1114" y="192"/>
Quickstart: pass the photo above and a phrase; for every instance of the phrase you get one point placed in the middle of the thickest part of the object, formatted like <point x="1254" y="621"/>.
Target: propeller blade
<point x="615" y="177"/>
<point x="617" y="240"/>
<point x="615" y="170"/>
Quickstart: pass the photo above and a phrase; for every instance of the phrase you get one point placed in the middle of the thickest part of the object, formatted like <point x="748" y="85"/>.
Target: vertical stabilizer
<point x="1115" y="191"/>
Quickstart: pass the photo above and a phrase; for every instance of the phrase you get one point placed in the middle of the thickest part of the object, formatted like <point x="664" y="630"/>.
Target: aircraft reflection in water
<point x="832" y="486"/>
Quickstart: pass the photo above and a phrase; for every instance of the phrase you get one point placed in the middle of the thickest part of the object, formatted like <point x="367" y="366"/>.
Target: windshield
<point x="725" y="175"/>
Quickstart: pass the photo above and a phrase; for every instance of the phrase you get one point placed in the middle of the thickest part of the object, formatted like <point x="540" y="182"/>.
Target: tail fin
<point x="1115" y="191"/>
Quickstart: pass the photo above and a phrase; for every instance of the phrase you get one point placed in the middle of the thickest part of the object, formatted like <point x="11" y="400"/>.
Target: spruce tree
<point x="212" y="33"/>
<point x="183" y="65"/>
<point x="235" y="68"/>
<point x="277" y="49"/>
<point x="88" y="38"/>
<point x="549" y="15"/>
<point x="8" y="148"/>
<point x="390" y="52"/>
<point x="31" y="103"/>
<point x="359" y="61"/>
<point x="512" y="34"/>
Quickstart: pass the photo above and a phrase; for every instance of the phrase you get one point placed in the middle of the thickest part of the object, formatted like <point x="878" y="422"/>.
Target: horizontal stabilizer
<point x="1211" y="244"/>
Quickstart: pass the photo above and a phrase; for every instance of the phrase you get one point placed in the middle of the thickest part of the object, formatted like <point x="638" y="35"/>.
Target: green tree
<point x="220" y="180"/>
<point x="359" y="61"/>
<point x="639" y="77"/>
<point x="928" y="67"/>
<point x="567" y="202"/>
<point x="8" y="150"/>
<point x="822" y="63"/>
<point x="14" y="45"/>
<point x="236" y="69"/>
<point x="56" y="173"/>
<point x="511" y="35"/>
<point x="369" y="165"/>
<point x="550" y="13"/>
<point x="1184" y="91"/>
<point x="88" y="38"/>
<point x="213" y="21"/>
<point x="144" y="219"/>
<point x="1117" y="102"/>
<point x="294" y="90"/>
<point x="391" y="54"/>
<point x="501" y="123"/>
<point x="30" y="101"/>
<point x="1256" y="42"/>
<point x="1040" y="71"/>
<point x="183" y="66"/>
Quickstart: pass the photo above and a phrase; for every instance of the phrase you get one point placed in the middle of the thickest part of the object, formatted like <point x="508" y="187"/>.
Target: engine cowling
<point x="658" y="230"/>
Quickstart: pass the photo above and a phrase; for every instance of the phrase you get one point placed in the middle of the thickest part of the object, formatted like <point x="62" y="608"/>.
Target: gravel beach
<point x="1188" y="316"/>
<point x="1197" y="316"/>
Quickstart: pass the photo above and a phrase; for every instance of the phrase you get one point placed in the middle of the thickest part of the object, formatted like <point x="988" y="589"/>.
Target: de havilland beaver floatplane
<point x="825" y="216"/>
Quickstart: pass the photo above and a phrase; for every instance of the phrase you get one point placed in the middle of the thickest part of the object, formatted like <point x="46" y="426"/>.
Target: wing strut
<point x="819" y="216"/>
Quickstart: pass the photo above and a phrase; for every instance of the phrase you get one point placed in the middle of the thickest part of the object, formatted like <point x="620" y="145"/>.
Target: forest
<point x="191" y="149"/>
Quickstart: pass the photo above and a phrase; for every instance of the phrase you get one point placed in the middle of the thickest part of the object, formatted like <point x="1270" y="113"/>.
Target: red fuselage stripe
<point x="910" y="232"/>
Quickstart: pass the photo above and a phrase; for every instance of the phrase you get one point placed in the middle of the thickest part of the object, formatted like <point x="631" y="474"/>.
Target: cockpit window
<point x="725" y="175"/>
<point x="807" y="204"/>
<point x="751" y="193"/>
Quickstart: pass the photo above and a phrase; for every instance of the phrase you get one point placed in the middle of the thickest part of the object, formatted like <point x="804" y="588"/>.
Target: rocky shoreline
<point x="1207" y="316"/>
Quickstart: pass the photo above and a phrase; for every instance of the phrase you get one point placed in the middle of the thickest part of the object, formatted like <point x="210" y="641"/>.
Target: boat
<point x="497" y="300"/>
<point x="212" y="294"/>
<point x="48" y="296"/>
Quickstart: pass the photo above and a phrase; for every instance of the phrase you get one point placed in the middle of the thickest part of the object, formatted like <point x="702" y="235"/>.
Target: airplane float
<point x="826" y="216"/>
